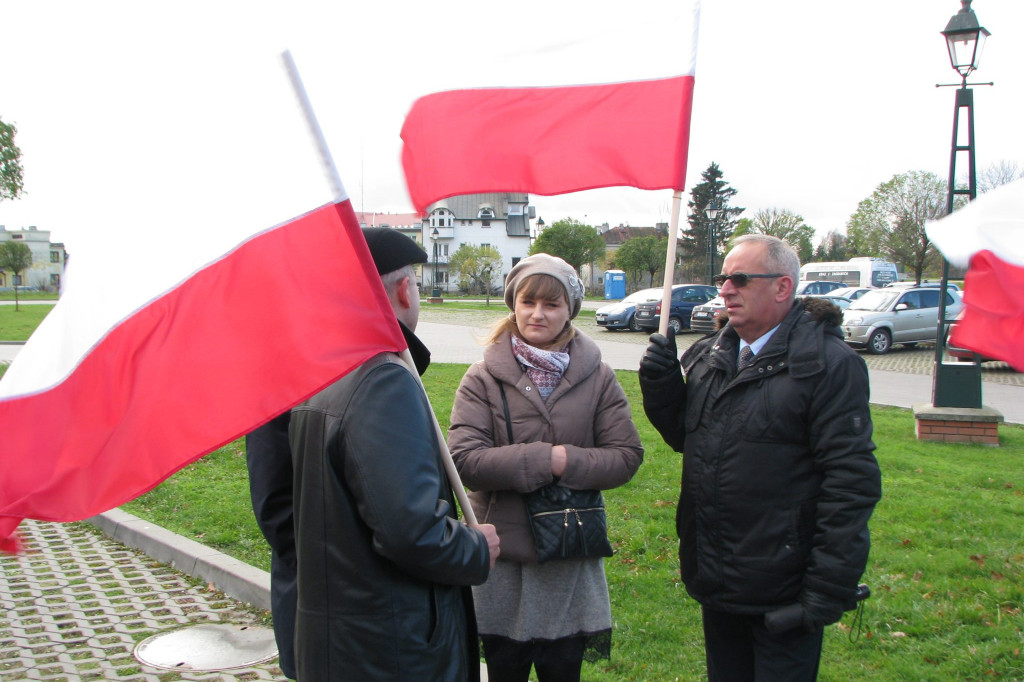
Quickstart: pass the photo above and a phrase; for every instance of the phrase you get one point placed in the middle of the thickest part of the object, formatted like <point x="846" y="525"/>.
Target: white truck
<point x="856" y="272"/>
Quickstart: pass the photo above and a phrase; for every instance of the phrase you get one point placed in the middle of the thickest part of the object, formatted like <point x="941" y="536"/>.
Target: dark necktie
<point x="746" y="357"/>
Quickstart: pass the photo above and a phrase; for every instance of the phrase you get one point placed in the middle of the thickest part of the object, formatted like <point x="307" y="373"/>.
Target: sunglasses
<point x="740" y="279"/>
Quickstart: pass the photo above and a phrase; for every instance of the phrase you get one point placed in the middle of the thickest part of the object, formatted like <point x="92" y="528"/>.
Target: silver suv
<point x="882" y="317"/>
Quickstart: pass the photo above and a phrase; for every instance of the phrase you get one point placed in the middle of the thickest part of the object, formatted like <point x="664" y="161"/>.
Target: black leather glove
<point x="820" y="609"/>
<point x="661" y="356"/>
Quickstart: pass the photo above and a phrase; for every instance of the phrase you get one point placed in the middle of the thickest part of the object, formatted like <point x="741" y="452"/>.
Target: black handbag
<point x="566" y="523"/>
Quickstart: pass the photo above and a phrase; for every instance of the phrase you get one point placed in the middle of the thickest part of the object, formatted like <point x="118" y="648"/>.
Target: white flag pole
<point x="340" y="195"/>
<point x="670" y="264"/>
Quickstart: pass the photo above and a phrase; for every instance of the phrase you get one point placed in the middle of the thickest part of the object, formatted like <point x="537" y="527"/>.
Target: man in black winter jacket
<point x="384" y="565"/>
<point x="371" y="568"/>
<point x="779" y="479"/>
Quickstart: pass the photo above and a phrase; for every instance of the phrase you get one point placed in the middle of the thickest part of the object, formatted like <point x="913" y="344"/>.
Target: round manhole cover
<point x="208" y="647"/>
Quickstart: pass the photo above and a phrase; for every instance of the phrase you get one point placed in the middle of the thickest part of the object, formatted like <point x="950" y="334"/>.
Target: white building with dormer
<point x="500" y="220"/>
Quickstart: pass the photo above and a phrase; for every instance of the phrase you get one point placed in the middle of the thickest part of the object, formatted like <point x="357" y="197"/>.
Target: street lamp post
<point x="959" y="384"/>
<point x="435" y="291"/>
<point x="712" y="213"/>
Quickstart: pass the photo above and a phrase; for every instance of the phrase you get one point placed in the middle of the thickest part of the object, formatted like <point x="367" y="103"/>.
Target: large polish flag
<point x="202" y="303"/>
<point x="597" y="130"/>
<point x="987" y="237"/>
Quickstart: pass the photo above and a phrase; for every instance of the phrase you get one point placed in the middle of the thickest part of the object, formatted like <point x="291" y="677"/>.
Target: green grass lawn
<point x="945" y="569"/>
<point x="18" y="324"/>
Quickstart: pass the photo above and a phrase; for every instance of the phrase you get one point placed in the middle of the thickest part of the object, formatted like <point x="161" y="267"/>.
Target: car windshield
<point x="716" y="302"/>
<point x="643" y="295"/>
<point x="875" y="300"/>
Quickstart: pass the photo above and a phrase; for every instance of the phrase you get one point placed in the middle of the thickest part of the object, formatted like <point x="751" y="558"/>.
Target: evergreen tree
<point x="693" y="243"/>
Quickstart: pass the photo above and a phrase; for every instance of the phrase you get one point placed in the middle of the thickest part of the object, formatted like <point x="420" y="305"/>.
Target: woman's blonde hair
<point x="545" y="288"/>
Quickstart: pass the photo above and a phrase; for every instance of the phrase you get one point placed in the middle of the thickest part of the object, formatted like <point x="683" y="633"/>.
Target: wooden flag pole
<point x="446" y="456"/>
<point x="340" y="195"/>
<point x="670" y="264"/>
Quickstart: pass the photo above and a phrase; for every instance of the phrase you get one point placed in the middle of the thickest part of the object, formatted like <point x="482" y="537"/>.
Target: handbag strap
<point x="508" y="417"/>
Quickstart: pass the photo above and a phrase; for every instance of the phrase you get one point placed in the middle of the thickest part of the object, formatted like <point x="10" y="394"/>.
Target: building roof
<point x="616" y="236"/>
<point x="399" y="221"/>
<point x="467" y="206"/>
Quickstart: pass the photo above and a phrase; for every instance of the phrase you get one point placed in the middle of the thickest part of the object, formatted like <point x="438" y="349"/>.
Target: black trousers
<point x="556" y="661"/>
<point x="739" y="648"/>
<point x="269" y="459"/>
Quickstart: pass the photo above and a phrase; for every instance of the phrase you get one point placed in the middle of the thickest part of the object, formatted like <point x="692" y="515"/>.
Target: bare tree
<point x="999" y="174"/>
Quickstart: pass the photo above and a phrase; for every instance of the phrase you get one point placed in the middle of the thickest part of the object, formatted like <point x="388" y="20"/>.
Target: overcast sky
<point x="131" y="113"/>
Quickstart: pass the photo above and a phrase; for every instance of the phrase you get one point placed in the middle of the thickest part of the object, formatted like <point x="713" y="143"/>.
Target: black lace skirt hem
<point x="596" y="645"/>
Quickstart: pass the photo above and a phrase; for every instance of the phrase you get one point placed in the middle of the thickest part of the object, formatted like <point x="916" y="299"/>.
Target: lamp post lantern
<point x="959" y="384"/>
<point x="965" y="39"/>
<point x="435" y="291"/>
<point x="711" y="211"/>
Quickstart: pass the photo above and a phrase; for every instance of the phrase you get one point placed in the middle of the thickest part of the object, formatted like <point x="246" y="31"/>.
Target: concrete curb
<point x="229" y="575"/>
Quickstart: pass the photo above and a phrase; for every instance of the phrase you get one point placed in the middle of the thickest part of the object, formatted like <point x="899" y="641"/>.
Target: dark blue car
<point x="684" y="298"/>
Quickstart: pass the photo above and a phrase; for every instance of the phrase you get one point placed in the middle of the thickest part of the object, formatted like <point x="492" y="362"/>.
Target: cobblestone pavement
<point x="75" y="605"/>
<point x="917" y="360"/>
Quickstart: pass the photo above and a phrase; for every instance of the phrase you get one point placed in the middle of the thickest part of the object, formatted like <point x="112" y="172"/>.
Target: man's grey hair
<point x="779" y="255"/>
<point x="391" y="279"/>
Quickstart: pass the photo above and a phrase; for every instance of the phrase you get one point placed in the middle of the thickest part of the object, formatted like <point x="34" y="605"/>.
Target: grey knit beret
<point x="543" y="264"/>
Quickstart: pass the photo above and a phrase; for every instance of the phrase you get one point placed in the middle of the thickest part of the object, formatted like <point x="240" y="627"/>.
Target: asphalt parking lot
<point x="917" y="360"/>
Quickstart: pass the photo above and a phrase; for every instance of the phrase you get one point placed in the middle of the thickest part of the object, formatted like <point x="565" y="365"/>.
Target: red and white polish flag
<point x="89" y="424"/>
<point x="201" y="299"/>
<point x="987" y="237"/>
<point x="620" y="116"/>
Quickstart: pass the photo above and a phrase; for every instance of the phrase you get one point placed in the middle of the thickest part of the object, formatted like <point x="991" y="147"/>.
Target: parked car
<point x="852" y="293"/>
<point x="704" y="318"/>
<point x="963" y="354"/>
<point x="909" y="285"/>
<point x="684" y="298"/>
<point x="840" y="301"/>
<point x="621" y="314"/>
<point x="817" y="287"/>
<point x="882" y="317"/>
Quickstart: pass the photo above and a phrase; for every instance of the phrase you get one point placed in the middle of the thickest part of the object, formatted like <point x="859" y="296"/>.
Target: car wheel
<point x="676" y="324"/>
<point x="634" y="326"/>
<point x="880" y="342"/>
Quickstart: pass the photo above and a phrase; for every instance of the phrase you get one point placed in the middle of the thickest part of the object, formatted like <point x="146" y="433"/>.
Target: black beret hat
<point x="391" y="249"/>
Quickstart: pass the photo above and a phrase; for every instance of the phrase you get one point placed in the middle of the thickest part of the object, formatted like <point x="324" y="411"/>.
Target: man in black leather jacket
<point x="779" y="479"/>
<point x="384" y="565"/>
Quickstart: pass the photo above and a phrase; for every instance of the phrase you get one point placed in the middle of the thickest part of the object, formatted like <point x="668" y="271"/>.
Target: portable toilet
<point x="614" y="284"/>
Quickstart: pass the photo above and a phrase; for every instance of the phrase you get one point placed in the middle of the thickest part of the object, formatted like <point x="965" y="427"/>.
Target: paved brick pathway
<point x="75" y="606"/>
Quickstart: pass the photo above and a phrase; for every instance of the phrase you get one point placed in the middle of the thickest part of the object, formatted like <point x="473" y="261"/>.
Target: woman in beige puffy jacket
<point x="570" y="423"/>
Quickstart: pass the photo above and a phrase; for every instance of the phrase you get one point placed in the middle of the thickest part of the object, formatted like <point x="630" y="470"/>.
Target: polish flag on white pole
<point x="987" y="237"/>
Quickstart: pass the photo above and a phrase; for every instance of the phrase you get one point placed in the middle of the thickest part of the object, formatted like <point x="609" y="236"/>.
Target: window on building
<point x="55" y="256"/>
<point x="17" y="236"/>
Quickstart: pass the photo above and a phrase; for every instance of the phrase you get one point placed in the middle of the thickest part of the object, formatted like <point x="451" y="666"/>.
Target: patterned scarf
<point x="544" y="367"/>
